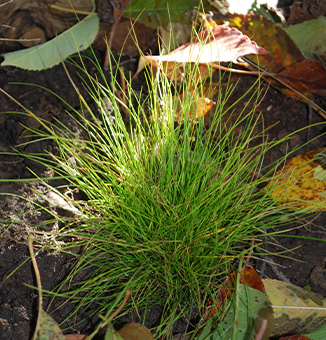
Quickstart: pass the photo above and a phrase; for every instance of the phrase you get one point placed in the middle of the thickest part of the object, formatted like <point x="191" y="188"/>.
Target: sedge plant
<point x="171" y="206"/>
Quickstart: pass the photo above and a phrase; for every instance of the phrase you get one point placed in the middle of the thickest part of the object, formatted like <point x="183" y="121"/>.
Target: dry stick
<point x="6" y="3"/>
<point x="262" y="330"/>
<point x="9" y="39"/>
<point x="69" y="10"/>
<point x="38" y="280"/>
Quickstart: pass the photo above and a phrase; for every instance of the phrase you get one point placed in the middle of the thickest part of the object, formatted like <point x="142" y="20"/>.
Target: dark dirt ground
<point x="18" y="303"/>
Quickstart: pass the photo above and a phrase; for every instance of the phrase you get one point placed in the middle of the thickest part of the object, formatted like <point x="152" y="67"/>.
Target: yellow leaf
<point x="296" y="310"/>
<point x="197" y="108"/>
<point x="296" y="184"/>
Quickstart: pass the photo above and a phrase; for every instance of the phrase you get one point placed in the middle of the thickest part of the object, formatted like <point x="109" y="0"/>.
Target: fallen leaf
<point x="112" y="334"/>
<point x="283" y="51"/>
<point x="49" y="329"/>
<point x="320" y="334"/>
<point x="296" y="186"/>
<point x="135" y="331"/>
<point x="75" y="336"/>
<point x="306" y="77"/>
<point x="285" y="60"/>
<point x="221" y="43"/>
<point x="310" y="38"/>
<point x="47" y="55"/>
<point x="296" y="310"/>
<point x="241" y="321"/>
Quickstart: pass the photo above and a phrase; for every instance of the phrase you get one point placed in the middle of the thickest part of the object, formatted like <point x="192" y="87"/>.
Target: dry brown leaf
<point x="296" y="310"/>
<point x="135" y="331"/>
<point x="75" y="336"/>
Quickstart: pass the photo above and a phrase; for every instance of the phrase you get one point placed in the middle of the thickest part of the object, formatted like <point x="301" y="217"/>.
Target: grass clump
<point x="170" y="207"/>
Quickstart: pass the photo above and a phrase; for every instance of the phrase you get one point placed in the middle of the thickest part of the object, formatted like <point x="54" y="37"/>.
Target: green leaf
<point x="47" y="55"/>
<point x="49" y="329"/>
<point x="253" y="306"/>
<point x="320" y="334"/>
<point x="309" y="36"/>
<point x="112" y="334"/>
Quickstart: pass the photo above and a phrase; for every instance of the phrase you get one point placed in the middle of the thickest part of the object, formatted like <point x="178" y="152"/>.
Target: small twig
<point x="220" y="67"/>
<point x="69" y="10"/>
<point x="7" y="26"/>
<point x="125" y="300"/>
<point x="262" y="330"/>
<point x="6" y="3"/>
<point x="9" y="39"/>
<point x="39" y="286"/>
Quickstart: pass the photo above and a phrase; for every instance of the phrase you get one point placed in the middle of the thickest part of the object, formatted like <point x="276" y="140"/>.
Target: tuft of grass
<point x="170" y="207"/>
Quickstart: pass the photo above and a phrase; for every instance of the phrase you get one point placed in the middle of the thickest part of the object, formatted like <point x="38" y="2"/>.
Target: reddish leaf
<point x="284" y="55"/>
<point x="248" y="277"/>
<point x="251" y="278"/>
<point x="283" y="51"/>
<point x="306" y="77"/>
<point x="75" y="336"/>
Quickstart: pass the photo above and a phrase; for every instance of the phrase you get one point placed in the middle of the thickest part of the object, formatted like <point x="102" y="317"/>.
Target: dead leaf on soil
<point x="296" y="310"/>
<point x="49" y="329"/>
<point x="296" y="184"/>
<point x="221" y="43"/>
<point x="135" y="331"/>
<point x="307" y="77"/>
<point x="75" y="336"/>
<point x="310" y="38"/>
<point x="283" y="51"/>
<point x="285" y="63"/>
<point x="295" y="337"/>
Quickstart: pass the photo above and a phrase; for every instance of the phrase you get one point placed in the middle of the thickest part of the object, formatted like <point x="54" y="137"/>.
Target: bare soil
<point x="18" y="303"/>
